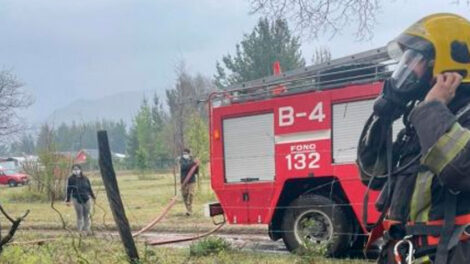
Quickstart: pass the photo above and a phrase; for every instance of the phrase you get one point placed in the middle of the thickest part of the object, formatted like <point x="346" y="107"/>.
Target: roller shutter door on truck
<point x="348" y="122"/>
<point x="249" y="148"/>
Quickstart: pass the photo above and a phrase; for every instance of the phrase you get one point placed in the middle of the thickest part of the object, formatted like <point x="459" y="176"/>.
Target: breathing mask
<point x="410" y="81"/>
<point x="76" y="172"/>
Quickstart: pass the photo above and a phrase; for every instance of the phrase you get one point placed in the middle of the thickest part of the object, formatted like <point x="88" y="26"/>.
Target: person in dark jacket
<point x="79" y="191"/>
<point x="424" y="176"/>
<point x="188" y="189"/>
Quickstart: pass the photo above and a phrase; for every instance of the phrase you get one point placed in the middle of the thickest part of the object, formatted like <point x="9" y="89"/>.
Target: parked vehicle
<point x="283" y="151"/>
<point x="12" y="177"/>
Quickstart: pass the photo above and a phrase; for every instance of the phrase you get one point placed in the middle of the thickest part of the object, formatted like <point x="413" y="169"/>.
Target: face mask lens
<point x="411" y="67"/>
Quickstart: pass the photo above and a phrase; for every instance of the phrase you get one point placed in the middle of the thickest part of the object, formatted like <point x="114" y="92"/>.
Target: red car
<point x="12" y="177"/>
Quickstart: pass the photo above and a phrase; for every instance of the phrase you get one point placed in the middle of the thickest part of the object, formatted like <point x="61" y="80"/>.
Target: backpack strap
<point x="448" y="228"/>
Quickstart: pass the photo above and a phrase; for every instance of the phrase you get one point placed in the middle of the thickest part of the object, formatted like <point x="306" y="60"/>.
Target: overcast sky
<point x="69" y="50"/>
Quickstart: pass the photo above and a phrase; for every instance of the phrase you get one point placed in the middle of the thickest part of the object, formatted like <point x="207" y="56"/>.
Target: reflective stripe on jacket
<point x="446" y="161"/>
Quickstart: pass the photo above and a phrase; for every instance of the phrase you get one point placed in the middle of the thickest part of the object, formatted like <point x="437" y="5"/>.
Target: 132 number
<point x="299" y="161"/>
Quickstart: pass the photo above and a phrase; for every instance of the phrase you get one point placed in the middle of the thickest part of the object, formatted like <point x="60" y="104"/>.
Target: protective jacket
<point x="430" y="199"/>
<point x="185" y="167"/>
<point x="79" y="188"/>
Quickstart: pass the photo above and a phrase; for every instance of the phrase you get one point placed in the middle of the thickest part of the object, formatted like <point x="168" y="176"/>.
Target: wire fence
<point x="137" y="220"/>
<point x="101" y="215"/>
<point x="103" y="224"/>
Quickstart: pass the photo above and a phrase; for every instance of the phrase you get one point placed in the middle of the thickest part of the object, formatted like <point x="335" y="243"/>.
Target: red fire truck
<point x="283" y="151"/>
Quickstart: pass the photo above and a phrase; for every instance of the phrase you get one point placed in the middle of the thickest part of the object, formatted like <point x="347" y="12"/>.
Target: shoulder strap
<point x="448" y="228"/>
<point x="462" y="111"/>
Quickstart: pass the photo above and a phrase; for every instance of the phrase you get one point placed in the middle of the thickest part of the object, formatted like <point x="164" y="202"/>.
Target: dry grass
<point x="98" y="250"/>
<point x="144" y="199"/>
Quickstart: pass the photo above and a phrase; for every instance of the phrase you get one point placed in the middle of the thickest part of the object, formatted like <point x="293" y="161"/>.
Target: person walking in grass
<point x="187" y="190"/>
<point x="79" y="192"/>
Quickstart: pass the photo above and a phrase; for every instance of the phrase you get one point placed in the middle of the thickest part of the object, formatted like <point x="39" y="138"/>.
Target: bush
<point x="311" y="251"/>
<point x="27" y="195"/>
<point x="208" y="246"/>
<point x="49" y="175"/>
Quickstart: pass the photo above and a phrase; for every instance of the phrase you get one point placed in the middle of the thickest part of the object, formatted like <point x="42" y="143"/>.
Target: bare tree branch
<point x="316" y="17"/>
<point x="15" y="224"/>
<point x="457" y="2"/>
<point x="12" y="99"/>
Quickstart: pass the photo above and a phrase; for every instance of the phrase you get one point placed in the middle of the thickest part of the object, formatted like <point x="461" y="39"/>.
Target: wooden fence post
<point x="114" y="196"/>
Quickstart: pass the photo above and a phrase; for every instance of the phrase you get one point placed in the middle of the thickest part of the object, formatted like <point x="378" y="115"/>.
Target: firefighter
<point x="188" y="189"/>
<point x="424" y="176"/>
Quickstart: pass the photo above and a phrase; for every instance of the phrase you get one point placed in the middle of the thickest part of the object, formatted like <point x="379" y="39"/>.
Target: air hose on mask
<point x="390" y="182"/>
<point x="388" y="107"/>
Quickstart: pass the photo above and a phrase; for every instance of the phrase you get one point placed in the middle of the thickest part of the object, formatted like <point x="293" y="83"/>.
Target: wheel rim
<point x="313" y="226"/>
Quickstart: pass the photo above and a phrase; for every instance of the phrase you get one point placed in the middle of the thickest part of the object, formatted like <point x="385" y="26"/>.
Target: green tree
<point x="198" y="140"/>
<point x="49" y="179"/>
<point x="132" y="145"/>
<point x="256" y="53"/>
<point x="159" y="121"/>
<point x="64" y="137"/>
<point x="45" y="140"/>
<point x="145" y="134"/>
<point x="74" y="137"/>
<point x="187" y="97"/>
<point x="158" y="115"/>
<point x="117" y="136"/>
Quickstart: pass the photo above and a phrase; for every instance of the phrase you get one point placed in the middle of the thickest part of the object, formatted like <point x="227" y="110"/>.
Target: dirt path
<point x="249" y="242"/>
<point x="259" y="243"/>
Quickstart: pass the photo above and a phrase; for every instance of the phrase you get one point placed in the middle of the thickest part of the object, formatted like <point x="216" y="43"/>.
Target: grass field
<point x="144" y="198"/>
<point x="93" y="250"/>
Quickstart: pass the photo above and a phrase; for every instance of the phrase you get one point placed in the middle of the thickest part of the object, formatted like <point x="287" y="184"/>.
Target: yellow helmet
<point x="443" y="39"/>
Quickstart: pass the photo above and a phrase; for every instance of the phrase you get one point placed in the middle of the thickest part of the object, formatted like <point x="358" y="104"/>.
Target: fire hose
<point x="163" y="242"/>
<point x="165" y="211"/>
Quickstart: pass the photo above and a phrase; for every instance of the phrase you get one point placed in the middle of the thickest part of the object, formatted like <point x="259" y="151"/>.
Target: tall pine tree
<point x="256" y="53"/>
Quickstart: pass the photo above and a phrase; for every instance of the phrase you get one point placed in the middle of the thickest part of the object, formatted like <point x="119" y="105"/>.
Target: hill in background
<point x="115" y="107"/>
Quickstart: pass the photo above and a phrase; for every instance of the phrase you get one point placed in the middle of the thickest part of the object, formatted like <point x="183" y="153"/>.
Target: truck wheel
<point x="12" y="183"/>
<point x="316" y="221"/>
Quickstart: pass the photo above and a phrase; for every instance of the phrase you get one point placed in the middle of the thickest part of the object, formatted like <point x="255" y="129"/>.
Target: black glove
<point x="390" y="105"/>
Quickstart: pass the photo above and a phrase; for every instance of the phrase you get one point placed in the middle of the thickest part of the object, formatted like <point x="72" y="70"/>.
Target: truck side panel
<point x="303" y="149"/>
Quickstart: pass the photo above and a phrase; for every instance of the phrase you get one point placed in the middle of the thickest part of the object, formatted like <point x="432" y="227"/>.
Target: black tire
<point x="330" y="225"/>
<point x="12" y="183"/>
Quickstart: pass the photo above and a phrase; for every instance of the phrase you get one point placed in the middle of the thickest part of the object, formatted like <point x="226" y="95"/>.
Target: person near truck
<point x="188" y="188"/>
<point x="79" y="193"/>
<point x="424" y="176"/>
